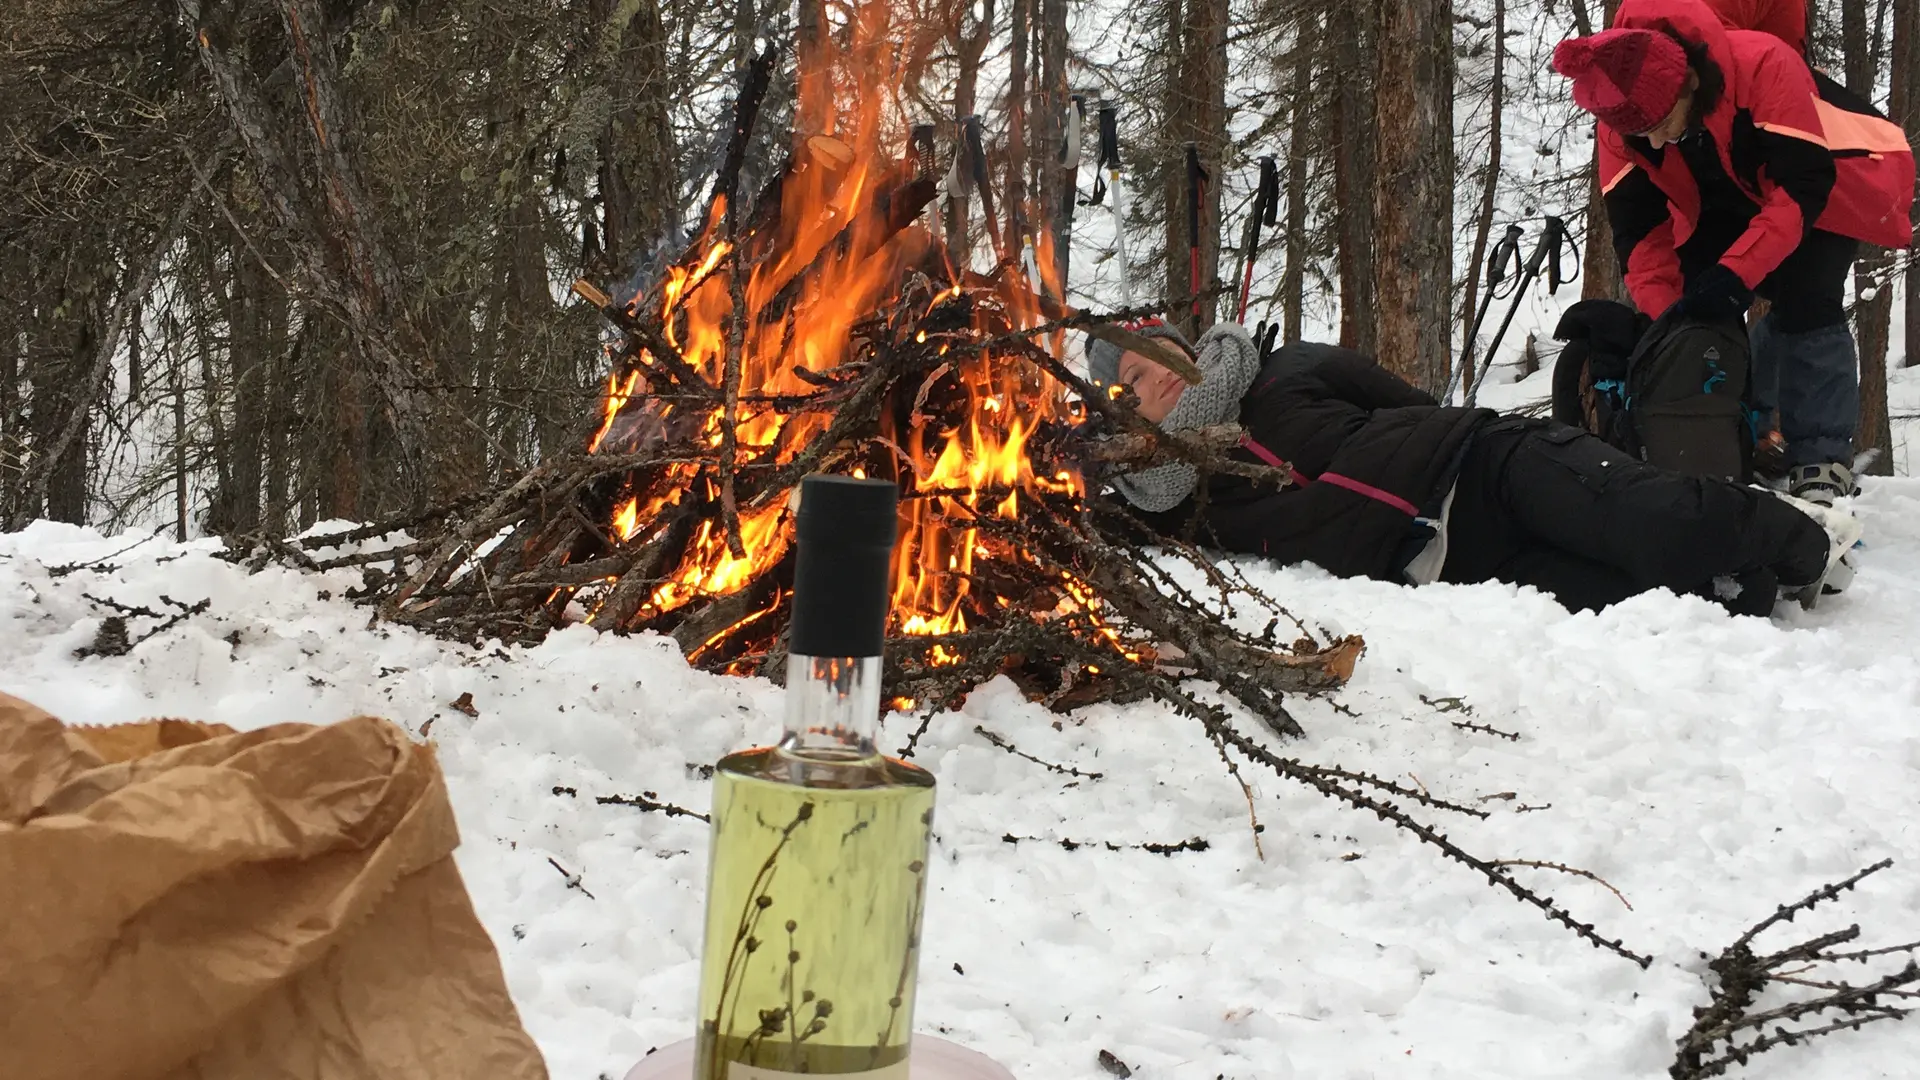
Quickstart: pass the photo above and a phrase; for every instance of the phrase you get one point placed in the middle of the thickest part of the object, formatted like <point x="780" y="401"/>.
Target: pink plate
<point x="933" y="1059"/>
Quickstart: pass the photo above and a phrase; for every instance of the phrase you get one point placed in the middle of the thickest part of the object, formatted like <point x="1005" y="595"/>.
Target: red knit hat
<point x="1629" y="79"/>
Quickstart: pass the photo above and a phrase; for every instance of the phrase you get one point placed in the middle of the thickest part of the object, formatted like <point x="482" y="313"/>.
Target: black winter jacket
<point x="1369" y="453"/>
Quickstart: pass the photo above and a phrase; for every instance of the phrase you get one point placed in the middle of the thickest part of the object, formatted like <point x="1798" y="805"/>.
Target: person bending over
<point x="1731" y="168"/>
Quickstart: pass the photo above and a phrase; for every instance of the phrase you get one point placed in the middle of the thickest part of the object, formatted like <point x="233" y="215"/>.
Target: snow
<point x="1707" y="767"/>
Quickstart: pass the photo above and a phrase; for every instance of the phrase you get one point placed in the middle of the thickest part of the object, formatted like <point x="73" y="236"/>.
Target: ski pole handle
<point x="1109" y="138"/>
<point x="1196" y="185"/>
<point x="1505" y="250"/>
<point x="1269" y="190"/>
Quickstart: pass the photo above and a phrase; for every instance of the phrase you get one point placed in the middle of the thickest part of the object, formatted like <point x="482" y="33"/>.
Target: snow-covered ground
<point x="1707" y="767"/>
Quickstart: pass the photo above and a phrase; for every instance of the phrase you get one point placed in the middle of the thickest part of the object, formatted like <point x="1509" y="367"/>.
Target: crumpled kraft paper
<point x="180" y="901"/>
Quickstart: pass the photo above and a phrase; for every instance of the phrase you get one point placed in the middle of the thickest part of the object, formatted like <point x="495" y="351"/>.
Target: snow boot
<point x="1843" y="532"/>
<point x="1821" y="483"/>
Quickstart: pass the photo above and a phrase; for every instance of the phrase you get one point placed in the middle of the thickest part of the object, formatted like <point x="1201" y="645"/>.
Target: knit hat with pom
<point x="1103" y="357"/>
<point x="1627" y="78"/>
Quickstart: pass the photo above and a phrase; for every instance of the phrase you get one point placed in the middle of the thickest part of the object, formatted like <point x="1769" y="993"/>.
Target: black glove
<point x="1718" y="293"/>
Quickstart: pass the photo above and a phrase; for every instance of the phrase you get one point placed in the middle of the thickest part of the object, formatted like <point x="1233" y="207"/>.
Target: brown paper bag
<point x="179" y="901"/>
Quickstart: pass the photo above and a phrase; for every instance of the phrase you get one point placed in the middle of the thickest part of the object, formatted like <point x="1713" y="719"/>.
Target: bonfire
<point x="820" y="326"/>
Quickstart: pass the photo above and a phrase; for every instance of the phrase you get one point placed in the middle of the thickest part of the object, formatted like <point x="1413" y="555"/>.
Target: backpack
<point x="1672" y="392"/>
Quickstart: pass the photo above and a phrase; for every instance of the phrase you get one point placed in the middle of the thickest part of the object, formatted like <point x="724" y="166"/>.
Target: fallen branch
<point x="1712" y="1045"/>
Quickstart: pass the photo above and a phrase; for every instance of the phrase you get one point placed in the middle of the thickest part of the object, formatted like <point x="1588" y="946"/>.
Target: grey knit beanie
<point x="1103" y="357"/>
<point x="1229" y="360"/>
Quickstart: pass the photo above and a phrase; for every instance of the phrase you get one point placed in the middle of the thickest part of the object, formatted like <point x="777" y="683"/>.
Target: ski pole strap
<point x="920" y="152"/>
<point x="1076" y="117"/>
<point x="1070" y="153"/>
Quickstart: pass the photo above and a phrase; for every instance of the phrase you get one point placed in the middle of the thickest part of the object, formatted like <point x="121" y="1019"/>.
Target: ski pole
<point x="1506" y="250"/>
<point x="1196" y="194"/>
<point x="1549" y="243"/>
<point x="1266" y="200"/>
<point x="977" y="162"/>
<point x="1070" y="184"/>
<point x="1110" y="161"/>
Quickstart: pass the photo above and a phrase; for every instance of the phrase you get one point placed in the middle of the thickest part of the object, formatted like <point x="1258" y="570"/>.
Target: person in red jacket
<point x="1730" y="168"/>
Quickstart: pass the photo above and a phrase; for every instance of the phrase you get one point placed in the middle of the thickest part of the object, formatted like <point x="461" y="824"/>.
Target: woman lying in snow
<point x="1390" y="485"/>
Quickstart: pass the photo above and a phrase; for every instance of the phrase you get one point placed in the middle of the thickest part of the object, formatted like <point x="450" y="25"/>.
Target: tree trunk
<point x="314" y="189"/>
<point x="1905" y="109"/>
<point x="177" y="387"/>
<point x="637" y="152"/>
<point x="1197" y="114"/>
<point x="1293" y="277"/>
<point x="12" y="438"/>
<point x="1872" y="275"/>
<point x="970" y="44"/>
<point x="814" y="108"/>
<point x="1053" y="102"/>
<point x="1019" y="161"/>
<point x="1600" y="273"/>
<point x="1353" y="26"/>
<point x="1413" y="189"/>
<point x="1489" y="188"/>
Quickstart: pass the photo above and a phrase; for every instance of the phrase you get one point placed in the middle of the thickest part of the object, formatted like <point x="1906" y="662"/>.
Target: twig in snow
<point x="1197" y="843"/>
<point x="1004" y="744"/>
<point x="101" y="563"/>
<point x="1712" y="1045"/>
<point x="573" y="880"/>
<point x="1468" y="725"/>
<point x="1323" y="780"/>
<point x="646" y="800"/>
<point x="113" y="640"/>
<point x="1565" y="869"/>
<point x="1447" y="704"/>
<point x="1253" y="819"/>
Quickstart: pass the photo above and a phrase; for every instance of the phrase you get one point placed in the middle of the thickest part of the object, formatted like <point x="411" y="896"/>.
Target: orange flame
<point x="832" y="264"/>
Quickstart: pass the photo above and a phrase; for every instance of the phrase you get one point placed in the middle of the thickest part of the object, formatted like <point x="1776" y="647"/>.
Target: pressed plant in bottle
<point x="819" y="861"/>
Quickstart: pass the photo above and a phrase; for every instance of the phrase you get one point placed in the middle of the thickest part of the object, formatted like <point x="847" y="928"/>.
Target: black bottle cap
<point x="841" y="585"/>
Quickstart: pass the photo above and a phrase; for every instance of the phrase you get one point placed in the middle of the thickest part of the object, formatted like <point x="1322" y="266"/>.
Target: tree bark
<point x="340" y="257"/>
<point x="1293" y="277"/>
<point x="1489" y="188"/>
<point x="1600" y="273"/>
<point x="1905" y="109"/>
<point x="1413" y="189"/>
<point x="12" y="437"/>
<point x="814" y="108"/>
<point x="1872" y="275"/>
<point x="1352" y="26"/>
<point x="1050" y="134"/>
<point x="58" y="476"/>
<point x="1019" y="159"/>
<point x="637" y="156"/>
<point x="1197" y="114"/>
<point x="970" y="44"/>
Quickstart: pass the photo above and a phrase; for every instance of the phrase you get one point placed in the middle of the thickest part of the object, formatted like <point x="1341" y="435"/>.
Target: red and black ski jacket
<point x="1784" y="19"/>
<point x="1790" y="152"/>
